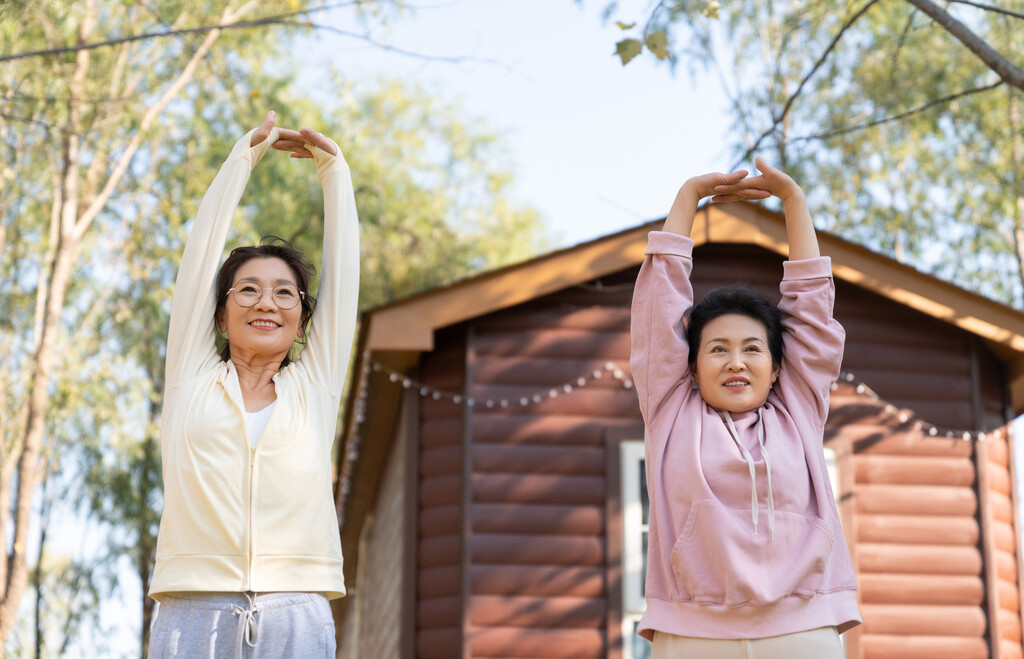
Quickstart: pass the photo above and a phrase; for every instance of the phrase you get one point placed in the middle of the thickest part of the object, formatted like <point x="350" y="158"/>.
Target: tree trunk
<point x="37" y="576"/>
<point x="43" y="359"/>
<point x="14" y="569"/>
<point x="145" y="558"/>
<point x="1017" y="176"/>
<point x="147" y="541"/>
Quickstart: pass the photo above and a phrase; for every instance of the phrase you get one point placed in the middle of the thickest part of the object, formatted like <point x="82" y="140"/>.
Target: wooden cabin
<point x="490" y="477"/>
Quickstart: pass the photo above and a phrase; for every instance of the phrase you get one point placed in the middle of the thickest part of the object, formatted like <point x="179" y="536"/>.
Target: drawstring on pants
<point x="750" y="466"/>
<point x="248" y="627"/>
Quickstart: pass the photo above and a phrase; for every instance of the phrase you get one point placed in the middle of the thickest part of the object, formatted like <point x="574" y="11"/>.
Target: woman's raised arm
<point x="334" y="320"/>
<point x="191" y="336"/>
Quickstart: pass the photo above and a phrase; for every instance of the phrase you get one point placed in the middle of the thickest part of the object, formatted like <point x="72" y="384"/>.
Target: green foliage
<point x="657" y="43"/>
<point x="432" y="187"/>
<point x="892" y="126"/>
<point x="432" y="191"/>
<point x="627" y="49"/>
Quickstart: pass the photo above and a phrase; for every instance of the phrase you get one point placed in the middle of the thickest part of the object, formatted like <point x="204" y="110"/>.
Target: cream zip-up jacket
<point x="238" y="518"/>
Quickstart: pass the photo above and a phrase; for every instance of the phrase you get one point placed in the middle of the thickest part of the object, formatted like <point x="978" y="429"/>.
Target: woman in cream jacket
<point x="249" y="551"/>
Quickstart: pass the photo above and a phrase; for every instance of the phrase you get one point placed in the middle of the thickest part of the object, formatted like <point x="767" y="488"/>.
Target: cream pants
<point x="821" y="643"/>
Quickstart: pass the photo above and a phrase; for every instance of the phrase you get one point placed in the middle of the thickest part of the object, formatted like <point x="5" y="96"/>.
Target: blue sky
<point x="596" y="146"/>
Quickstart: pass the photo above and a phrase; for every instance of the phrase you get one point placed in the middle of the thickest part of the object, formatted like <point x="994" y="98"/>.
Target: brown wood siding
<point x="1001" y="540"/>
<point x="380" y="602"/>
<point x="919" y="550"/>
<point x="439" y="524"/>
<point x="539" y="487"/>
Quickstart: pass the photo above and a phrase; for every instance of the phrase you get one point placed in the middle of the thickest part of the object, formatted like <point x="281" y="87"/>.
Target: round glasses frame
<point x="284" y="296"/>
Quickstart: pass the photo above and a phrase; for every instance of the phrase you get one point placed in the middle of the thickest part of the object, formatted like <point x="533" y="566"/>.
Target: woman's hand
<point x="708" y="185"/>
<point x="680" y="216"/>
<point x="263" y="132"/>
<point x="771" y="182"/>
<point x="298" y="142"/>
<point x="803" y="242"/>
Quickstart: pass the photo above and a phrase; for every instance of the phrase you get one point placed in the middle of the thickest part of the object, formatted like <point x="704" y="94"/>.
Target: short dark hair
<point x="270" y="247"/>
<point x="739" y="299"/>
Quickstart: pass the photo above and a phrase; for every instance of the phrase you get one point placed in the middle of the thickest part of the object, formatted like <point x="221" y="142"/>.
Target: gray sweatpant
<point x="243" y="626"/>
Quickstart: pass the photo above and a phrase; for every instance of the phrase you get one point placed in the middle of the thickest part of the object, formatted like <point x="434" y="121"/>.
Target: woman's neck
<point x="256" y="380"/>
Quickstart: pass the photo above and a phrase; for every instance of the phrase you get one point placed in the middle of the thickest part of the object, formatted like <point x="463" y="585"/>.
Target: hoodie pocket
<point x="718" y="559"/>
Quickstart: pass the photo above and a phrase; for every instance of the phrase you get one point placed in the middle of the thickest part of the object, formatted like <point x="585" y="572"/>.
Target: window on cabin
<point x="635" y="518"/>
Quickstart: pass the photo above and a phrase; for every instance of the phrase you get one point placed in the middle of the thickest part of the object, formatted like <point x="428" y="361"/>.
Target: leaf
<point x="657" y="43"/>
<point x="627" y="49"/>
<point x="625" y="26"/>
<point x="254" y="93"/>
<point x="711" y="9"/>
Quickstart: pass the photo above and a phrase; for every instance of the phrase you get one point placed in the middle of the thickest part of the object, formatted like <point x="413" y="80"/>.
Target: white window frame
<point x="833" y="472"/>
<point x="631" y="456"/>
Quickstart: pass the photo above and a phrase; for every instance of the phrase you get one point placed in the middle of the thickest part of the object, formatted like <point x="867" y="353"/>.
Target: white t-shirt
<point x="256" y="423"/>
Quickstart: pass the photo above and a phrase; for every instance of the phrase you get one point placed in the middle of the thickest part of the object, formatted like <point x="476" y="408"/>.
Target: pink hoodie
<point x="730" y="555"/>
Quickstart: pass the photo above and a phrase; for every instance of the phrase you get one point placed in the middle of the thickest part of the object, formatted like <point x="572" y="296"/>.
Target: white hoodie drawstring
<point x="753" y="478"/>
<point x="248" y="628"/>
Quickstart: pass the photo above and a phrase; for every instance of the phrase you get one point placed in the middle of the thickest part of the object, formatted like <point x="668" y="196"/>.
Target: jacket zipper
<point x="249" y="549"/>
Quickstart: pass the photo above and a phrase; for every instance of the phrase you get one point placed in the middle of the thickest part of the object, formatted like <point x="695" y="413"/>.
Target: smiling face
<point x="264" y="330"/>
<point x="734" y="367"/>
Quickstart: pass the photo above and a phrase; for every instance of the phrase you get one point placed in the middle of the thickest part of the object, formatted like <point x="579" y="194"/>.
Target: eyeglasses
<point x="285" y="296"/>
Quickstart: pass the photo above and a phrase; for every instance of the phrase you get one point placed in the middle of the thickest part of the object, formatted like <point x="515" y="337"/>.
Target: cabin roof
<point x="408" y="325"/>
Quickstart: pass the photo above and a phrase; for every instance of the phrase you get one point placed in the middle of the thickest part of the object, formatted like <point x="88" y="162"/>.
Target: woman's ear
<point x="775" y="372"/>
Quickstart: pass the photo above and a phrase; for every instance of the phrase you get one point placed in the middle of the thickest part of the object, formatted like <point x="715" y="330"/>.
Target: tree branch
<point x="279" y="19"/>
<point x="100" y="201"/>
<point x="392" y="49"/>
<point x="269" y="20"/>
<point x="1011" y="74"/>
<point x="997" y="10"/>
<point x="898" y="117"/>
<point x="814" y="69"/>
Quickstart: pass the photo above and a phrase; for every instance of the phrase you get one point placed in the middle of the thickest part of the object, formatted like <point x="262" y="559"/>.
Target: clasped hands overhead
<point x="737" y="186"/>
<point x="295" y="141"/>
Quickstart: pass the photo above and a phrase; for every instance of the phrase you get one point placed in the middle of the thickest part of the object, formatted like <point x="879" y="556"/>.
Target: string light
<point x="929" y="429"/>
<point x="568" y="387"/>
<point x="427" y="391"/>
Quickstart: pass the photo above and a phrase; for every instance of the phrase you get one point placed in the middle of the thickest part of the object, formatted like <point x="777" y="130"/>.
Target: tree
<point x="883" y="117"/>
<point x="432" y="202"/>
<point x="72" y="128"/>
<point x="655" y="37"/>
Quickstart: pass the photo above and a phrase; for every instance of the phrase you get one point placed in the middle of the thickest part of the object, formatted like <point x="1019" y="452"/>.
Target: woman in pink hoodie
<point x="746" y="554"/>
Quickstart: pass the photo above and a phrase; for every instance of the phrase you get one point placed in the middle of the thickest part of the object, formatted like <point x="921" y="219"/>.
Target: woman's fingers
<point x="289" y="134"/>
<point x="741" y="195"/>
<point x="300" y="141"/>
<point x="755" y="182"/>
<point x="319" y="140"/>
<point x="763" y="166"/>
<point x="264" y="129"/>
<point x="289" y="145"/>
